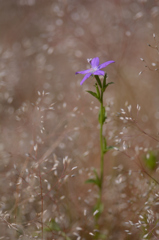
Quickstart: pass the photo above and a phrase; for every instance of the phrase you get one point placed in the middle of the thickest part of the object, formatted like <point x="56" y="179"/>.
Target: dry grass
<point x="49" y="142"/>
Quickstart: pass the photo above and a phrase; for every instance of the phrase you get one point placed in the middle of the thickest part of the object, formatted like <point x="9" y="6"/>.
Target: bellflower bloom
<point x="95" y="69"/>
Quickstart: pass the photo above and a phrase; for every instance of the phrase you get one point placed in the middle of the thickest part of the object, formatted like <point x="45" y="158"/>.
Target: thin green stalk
<point x="101" y="145"/>
<point x="98" y="180"/>
<point x="99" y="204"/>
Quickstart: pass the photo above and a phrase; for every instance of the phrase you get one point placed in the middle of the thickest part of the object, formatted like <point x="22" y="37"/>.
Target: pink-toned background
<point x="42" y="44"/>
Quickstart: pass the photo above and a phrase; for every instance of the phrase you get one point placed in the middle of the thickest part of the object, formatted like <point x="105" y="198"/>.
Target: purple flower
<point x="95" y="69"/>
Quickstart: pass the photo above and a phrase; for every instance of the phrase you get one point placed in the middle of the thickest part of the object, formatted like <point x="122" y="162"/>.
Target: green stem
<point x="101" y="162"/>
<point x="101" y="146"/>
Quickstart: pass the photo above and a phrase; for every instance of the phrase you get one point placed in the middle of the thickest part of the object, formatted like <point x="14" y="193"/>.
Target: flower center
<point x="94" y="69"/>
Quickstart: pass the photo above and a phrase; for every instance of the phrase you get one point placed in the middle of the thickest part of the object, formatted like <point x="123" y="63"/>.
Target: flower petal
<point x="103" y="65"/>
<point x="95" y="62"/>
<point x="85" y="77"/>
<point x="84" y="72"/>
<point x="99" y="72"/>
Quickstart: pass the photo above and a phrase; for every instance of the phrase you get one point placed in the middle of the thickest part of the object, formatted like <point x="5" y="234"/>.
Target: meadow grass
<point x="46" y="196"/>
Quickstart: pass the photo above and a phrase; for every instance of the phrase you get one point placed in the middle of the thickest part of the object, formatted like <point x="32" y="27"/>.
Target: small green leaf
<point x="95" y="180"/>
<point x="96" y="174"/>
<point x="102" y="236"/>
<point x="98" y="207"/>
<point x="65" y="236"/>
<point x="105" y="147"/>
<point x="104" y="114"/>
<point x="108" y="148"/>
<point x="104" y="144"/>
<point x="91" y="180"/>
<point x="104" y="81"/>
<point x="98" y="80"/>
<point x="108" y="85"/>
<point x="97" y="89"/>
<point x="150" y="160"/>
<point x="94" y="94"/>
<point x="52" y="226"/>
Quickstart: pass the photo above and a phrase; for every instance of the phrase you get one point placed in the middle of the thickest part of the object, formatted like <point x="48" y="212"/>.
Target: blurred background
<point x="46" y="114"/>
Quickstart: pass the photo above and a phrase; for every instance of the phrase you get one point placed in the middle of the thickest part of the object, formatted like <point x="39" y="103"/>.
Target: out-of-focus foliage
<point x="151" y="160"/>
